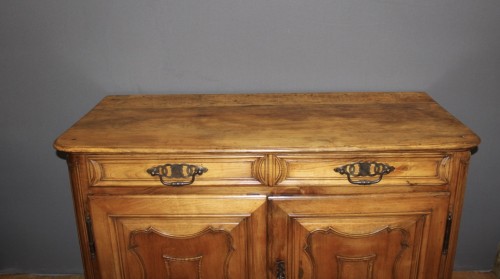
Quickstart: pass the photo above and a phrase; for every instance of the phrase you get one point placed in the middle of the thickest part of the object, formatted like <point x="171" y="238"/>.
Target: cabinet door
<point x="359" y="236"/>
<point x="181" y="237"/>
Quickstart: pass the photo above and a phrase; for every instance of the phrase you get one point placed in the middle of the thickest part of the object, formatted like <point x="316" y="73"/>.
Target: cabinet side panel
<point x="78" y="174"/>
<point x="458" y="181"/>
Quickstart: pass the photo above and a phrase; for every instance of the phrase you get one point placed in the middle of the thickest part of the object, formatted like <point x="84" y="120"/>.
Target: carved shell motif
<point x="270" y="170"/>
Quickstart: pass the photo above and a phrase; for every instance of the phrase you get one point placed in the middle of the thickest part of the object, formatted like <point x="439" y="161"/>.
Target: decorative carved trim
<point x="95" y="172"/>
<point x="443" y="171"/>
<point x="270" y="170"/>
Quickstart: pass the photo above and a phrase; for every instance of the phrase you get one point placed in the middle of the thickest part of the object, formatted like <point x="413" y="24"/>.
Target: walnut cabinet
<point x="312" y="185"/>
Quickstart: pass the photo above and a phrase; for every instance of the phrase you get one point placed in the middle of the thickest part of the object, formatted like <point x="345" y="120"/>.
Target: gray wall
<point x="59" y="57"/>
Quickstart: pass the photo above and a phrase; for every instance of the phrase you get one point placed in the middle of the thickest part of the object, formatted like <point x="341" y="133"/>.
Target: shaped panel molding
<point x="188" y="267"/>
<point x="356" y="256"/>
<point x="358" y="267"/>
<point x="203" y="255"/>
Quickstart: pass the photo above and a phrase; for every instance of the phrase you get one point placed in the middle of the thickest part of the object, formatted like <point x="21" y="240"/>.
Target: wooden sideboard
<point x="313" y="185"/>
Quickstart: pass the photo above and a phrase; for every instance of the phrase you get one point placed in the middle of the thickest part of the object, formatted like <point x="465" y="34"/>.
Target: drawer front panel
<point x="295" y="170"/>
<point x="406" y="169"/>
<point x="132" y="170"/>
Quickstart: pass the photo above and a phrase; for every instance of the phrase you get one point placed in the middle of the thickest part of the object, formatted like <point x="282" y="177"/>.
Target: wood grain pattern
<point x="456" y="275"/>
<point x="266" y="123"/>
<point x="130" y="170"/>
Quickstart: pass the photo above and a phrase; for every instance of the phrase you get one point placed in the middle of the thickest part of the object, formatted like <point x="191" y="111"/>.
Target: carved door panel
<point x="180" y="237"/>
<point x="359" y="237"/>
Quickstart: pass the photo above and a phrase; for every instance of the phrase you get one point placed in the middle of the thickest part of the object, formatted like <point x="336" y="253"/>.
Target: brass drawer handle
<point x="363" y="169"/>
<point x="176" y="171"/>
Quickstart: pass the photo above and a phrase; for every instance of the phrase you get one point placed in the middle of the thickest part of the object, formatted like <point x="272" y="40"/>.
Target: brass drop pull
<point x="364" y="169"/>
<point x="173" y="174"/>
<point x="280" y="269"/>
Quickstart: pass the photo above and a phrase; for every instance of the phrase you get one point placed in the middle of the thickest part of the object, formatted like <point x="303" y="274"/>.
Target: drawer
<point x="297" y="170"/>
<point x="401" y="169"/>
<point x="132" y="170"/>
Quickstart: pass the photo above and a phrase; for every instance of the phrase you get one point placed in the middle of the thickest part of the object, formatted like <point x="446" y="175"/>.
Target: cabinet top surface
<point x="309" y="122"/>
